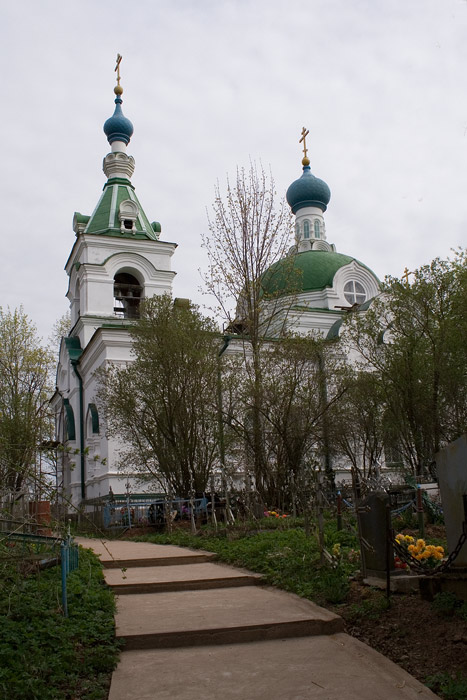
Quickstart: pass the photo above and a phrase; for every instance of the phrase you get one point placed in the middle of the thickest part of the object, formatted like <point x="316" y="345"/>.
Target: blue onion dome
<point x="308" y="191"/>
<point x="118" y="127"/>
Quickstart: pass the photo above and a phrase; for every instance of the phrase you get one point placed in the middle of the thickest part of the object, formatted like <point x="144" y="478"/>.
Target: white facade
<point x="116" y="261"/>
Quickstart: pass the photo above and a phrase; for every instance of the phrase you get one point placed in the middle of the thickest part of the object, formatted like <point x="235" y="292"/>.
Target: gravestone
<point x="451" y="463"/>
<point x="372" y="513"/>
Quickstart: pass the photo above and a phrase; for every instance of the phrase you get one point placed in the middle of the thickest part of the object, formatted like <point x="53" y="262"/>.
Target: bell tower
<point x="116" y="261"/>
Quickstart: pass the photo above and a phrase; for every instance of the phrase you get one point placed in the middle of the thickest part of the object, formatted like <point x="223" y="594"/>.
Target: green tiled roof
<point x="304" y="272"/>
<point x="105" y="221"/>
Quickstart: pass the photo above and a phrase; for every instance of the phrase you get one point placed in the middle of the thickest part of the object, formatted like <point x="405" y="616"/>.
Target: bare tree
<point x="249" y="234"/>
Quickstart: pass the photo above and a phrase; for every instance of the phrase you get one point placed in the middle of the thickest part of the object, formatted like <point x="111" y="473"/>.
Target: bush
<point x="445" y="603"/>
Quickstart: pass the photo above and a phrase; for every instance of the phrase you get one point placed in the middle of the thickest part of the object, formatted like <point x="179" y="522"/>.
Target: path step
<point x="116" y="554"/>
<point x="157" y="561"/>
<point x="218" y="616"/>
<point x="315" y="668"/>
<point x="159" y="579"/>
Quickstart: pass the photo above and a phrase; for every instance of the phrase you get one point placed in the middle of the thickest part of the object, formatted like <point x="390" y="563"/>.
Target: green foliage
<point x="163" y="406"/>
<point x="448" y="604"/>
<point x="447" y="686"/>
<point x="371" y="608"/>
<point x="42" y="653"/>
<point x="286" y="558"/>
<point x="334" y="584"/>
<point x="24" y="393"/>
<point x="411" y="339"/>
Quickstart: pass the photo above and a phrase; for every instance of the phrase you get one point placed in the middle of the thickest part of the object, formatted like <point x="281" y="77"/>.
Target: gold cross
<point x="406" y="274"/>
<point x="117" y="68"/>
<point x="305" y="133"/>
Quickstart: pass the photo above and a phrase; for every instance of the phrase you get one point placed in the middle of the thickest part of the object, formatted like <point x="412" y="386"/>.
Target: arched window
<point x="354" y="293"/>
<point x="306" y="229"/>
<point x="70" y="433"/>
<point x="127" y="295"/>
<point x="317" y="228"/>
<point x="93" y="420"/>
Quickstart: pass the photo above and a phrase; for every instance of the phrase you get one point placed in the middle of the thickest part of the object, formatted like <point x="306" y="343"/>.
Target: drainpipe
<point x="74" y="364"/>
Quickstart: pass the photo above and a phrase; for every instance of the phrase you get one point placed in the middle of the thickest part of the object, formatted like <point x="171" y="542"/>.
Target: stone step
<point x="218" y="616"/>
<point x="116" y="554"/>
<point x="314" y="668"/>
<point x="194" y="558"/>
<point x="158" y="579"/>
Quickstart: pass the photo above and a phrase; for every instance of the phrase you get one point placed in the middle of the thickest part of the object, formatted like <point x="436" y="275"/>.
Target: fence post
<point x="64" y="564"/>
<point x="421" y="520"/>
<point x="339" y="510"/>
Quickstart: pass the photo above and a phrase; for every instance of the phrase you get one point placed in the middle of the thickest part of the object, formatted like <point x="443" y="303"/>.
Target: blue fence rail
<point x="69" y="557"/>
<point x="154" y="511"/>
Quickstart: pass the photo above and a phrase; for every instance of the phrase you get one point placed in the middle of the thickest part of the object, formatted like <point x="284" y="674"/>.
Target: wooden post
<point x="421" y="520"/>
<point x="339" y="510"/>
<point x="388" y="550"/>
<point x="319" y="499"/>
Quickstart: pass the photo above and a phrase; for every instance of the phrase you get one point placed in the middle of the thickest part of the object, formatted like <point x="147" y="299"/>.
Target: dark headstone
<point x="373" y="529"/>
<point x="451" y="463"/>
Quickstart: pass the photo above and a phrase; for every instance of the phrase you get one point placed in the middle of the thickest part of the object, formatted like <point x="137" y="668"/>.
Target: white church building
<point x="118" y="258"/>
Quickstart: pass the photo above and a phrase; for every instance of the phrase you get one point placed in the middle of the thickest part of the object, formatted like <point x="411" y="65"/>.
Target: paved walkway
<point x="197" y="630"/>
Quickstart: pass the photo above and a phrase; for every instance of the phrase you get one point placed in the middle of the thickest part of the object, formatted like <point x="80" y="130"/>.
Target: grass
<point x="44" y="655"/>
<point x="283" y="555"/>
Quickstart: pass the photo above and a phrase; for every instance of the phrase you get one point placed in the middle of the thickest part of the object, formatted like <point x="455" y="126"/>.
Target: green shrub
<point x="447" y="686"/>
<point x="371" y="608"/>
<point x="445" y="603"/>
<point x="334" y="584"/>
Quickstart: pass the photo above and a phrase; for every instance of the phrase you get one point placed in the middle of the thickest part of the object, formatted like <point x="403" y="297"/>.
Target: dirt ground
<point x="411" y="632"/>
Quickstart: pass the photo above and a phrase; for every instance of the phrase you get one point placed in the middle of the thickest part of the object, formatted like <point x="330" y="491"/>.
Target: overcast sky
<point x="209" y="85"/>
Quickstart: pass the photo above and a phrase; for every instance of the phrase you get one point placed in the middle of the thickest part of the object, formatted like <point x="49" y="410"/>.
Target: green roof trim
<point x="315" y="309"/>
<point x="69" y="420"/>
<point x="74" y="348"/>
<point x="94" y="418"/>
<point x="81" y="218"/>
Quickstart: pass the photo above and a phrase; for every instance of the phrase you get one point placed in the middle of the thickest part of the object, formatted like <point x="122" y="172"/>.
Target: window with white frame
<point x="354" y="292"/>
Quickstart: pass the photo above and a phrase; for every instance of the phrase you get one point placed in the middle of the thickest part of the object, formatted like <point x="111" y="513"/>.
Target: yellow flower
<point x="400" y="538"/>
<point x="409" y="538"/>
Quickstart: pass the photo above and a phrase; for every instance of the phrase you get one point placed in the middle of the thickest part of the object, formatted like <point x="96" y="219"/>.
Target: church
<point x="118" y="258"/>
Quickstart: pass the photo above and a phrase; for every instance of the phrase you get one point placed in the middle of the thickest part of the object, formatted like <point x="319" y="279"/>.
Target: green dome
<point x="304" y="272"/>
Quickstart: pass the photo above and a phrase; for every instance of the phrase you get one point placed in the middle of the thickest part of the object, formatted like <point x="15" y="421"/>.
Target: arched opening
<point x="127" y="295"/>
<point x="317" y="228"/>
<point x="306" y="229"/>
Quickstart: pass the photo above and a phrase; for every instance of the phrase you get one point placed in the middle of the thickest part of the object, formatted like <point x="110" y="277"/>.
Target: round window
<point x="354" y="293"/>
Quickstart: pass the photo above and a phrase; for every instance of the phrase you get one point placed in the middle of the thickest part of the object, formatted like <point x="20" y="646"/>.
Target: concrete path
<point x="195" y="630"/>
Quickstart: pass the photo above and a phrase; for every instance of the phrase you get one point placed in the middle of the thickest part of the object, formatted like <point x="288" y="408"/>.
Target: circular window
<point x="354" y="293"/>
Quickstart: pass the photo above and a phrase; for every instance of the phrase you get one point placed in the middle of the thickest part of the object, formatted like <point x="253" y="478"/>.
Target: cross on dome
<point x="118" y="89"/>
<point x="305" y="133"/>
